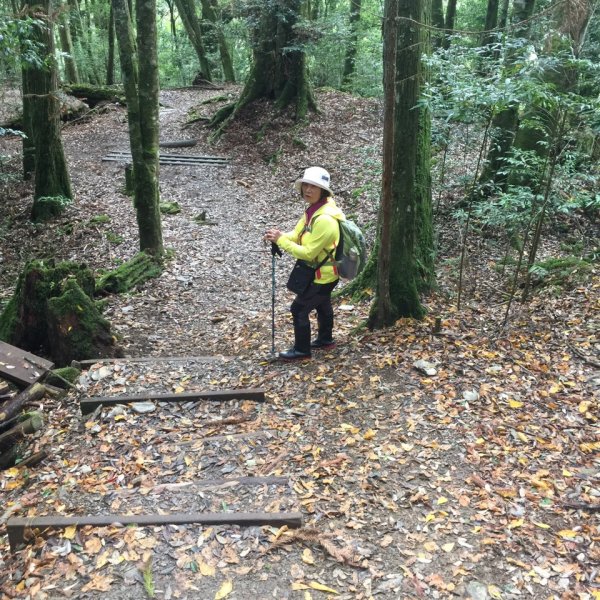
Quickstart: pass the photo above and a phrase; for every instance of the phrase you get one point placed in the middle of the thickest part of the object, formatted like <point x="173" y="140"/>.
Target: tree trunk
<point x="505" y="123"/>
<point x="488" y="36"/>
<point x="437" y="20"/>
<point x="352" y="47"/>
<point x="51" y="175"/>
<point x="187" y="12"/>
<point x="140" y="77"/>
<point x="210" y="10"/>
<point x="449" y="23"/>
<point x="403" y="215"/>
<point x="28" y="145"/>
<point x="110" y="61"/>
<point x="66" y="42"/>
<point x="279" y="67"/>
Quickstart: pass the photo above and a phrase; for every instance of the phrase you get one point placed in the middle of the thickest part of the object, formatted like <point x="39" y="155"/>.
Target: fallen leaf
<point x="315" y="585"/>
<point x="225" y="590"/>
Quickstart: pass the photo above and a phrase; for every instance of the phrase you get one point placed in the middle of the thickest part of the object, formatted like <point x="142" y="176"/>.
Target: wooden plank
<point x="171" y="162"/>
<point x="89" y="405"/>
<point x="21" y="367"/>
<point x="85" y="364"/>
<point x="171" y="159"/>
<point x="165" y="155"/>
<point x="213" y="484"/>
<point x="16" y="526"/>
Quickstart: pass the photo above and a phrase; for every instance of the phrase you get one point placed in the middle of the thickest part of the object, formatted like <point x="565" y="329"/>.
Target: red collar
<point x="313" y="208"/>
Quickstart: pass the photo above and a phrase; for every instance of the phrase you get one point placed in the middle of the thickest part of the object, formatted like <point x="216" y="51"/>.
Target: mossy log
<point x="63" y="377"/>
<point x="129" y="275"/>
<point x="14" y="406"/>
<point x="39" y="317"/>
<point x="93" y="95"/>
<point x="76" y="328"/>
<point x="33" y="423"/>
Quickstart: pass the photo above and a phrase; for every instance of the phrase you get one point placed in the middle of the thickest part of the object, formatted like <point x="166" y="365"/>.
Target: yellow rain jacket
<point x="309" y="241"/>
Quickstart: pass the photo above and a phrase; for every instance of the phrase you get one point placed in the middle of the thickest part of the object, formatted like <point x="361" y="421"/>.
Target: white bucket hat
<point x="316" y="176"/>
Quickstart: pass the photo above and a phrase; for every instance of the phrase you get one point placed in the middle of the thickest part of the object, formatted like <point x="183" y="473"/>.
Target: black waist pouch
<point x="301" y="277"/>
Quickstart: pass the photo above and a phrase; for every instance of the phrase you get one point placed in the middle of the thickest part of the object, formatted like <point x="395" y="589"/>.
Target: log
<point x="178" y="144"/>
<point x="33" y="460"/>
<point x="11" y="408"/>
<point x="9" y="438"/>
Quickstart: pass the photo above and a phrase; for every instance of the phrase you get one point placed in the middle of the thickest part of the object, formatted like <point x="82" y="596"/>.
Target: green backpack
<point x="351" y="253"/>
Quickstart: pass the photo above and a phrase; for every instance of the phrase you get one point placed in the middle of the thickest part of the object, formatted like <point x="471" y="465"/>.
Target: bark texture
<point x="42" y="117"/>
<point x="405" y="172"/>
<point x="139" y="66"/>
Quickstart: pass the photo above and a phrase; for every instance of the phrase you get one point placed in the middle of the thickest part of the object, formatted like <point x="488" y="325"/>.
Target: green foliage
<point x="48" y="207"/>
<point x="560" y="271"/>
<point x="17" y="47"/>
<point x="169" y="208"/>
<point x="113" y="238"/>
<point x="99" y="220"/>
<point x="129" y="275"/>
<point x="63" y="377"/>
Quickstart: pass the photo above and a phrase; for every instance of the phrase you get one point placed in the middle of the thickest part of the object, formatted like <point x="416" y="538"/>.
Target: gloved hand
<point x="276" y="250"/>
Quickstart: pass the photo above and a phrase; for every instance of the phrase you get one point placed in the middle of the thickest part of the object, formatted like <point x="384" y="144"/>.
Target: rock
<point x="390" y="585"/>
<point x="470" y="395"/>
<point x="425" y="367"/>
<point x="477" y="590"/>
<point x="116" y="411"/>
<point x="143" y="407"/>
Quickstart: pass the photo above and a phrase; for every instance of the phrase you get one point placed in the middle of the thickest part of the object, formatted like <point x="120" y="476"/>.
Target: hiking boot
<point x="293" y="354"/>
<point x="322" y="343"/>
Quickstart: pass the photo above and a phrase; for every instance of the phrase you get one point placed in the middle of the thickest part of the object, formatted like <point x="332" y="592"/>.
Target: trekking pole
<point x="275" y="250"/>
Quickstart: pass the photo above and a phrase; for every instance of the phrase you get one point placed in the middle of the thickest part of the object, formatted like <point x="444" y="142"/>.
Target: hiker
<point x="312" y="242"/>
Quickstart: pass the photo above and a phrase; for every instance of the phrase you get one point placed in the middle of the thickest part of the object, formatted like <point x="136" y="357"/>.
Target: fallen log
<point x="14" y="406"/>
<point x="178" y="144"/>
<point x="33" y="460"/>
<point x="9" y="438"/>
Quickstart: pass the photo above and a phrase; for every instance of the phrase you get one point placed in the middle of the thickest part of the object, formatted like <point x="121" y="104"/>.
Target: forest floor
<point x="478" y="480"/>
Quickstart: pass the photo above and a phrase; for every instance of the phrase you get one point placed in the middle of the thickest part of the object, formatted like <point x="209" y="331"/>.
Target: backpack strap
<point x="331" y="255"/>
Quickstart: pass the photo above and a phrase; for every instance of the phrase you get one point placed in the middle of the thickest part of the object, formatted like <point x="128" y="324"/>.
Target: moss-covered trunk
<point x="279" y="69"/>
<point x="352" y="43"/>
<point x="399" y="295"/>
<point x="210" y="13"/>
<point x="139" y="66"/>
<point x="187" y="12"/>
<point x="43" y="116"/>
<point x="66" y="42"/>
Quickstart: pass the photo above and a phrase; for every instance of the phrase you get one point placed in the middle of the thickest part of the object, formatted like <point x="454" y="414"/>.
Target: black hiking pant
<point x="317" y="297"/>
